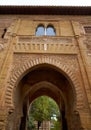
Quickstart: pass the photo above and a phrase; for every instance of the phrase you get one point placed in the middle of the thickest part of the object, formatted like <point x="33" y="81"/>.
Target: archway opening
<point x="42" y="80"/>
<point x="44" y="114"/>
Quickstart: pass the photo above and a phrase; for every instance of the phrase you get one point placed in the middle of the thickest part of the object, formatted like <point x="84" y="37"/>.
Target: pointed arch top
<point x="25" y="68"/>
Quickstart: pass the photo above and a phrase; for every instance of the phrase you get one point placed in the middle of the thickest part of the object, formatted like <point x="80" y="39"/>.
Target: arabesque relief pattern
<point x="88" y="44"/>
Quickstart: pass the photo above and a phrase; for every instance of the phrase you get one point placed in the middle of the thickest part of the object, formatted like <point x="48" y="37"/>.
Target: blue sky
<point x="47" y="2"/>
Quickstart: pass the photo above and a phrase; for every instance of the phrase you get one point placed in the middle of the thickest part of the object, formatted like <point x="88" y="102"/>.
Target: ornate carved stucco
<point x="68" y="60"/>
<point x="88" y="44"/>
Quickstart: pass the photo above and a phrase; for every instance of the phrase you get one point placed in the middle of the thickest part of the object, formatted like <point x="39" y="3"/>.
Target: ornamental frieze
<point x="57" y="45"/>
<point x="45" y="39"/>
<point x="68" y="60"/>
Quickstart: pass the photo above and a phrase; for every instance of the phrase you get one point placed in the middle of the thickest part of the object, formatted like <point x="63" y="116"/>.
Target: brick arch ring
<point x="19" y="73"/>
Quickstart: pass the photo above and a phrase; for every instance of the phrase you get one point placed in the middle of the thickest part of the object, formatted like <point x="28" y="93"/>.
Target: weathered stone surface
<point x="57" y="66"/>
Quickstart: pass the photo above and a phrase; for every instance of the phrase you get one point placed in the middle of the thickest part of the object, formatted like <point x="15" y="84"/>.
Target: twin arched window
<point x="48" y="31"/>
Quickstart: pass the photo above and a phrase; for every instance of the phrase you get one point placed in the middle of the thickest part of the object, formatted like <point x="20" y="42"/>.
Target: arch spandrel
<point x="25" y="68"/>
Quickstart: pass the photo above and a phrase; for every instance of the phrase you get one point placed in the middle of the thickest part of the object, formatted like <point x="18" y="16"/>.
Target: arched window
<point x="40" y="31"/>
<point x="50" y="31"/>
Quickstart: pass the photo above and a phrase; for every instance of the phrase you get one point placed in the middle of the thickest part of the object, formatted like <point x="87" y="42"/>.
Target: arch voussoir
<point x="37" y="61"/>
<point x="31" y="63"/>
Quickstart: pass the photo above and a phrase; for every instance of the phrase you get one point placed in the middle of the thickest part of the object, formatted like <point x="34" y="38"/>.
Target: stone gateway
<point x="45" y="51"/>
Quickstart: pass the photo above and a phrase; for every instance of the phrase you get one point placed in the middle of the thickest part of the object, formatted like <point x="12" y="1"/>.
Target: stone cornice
<point x="46" y="10"/>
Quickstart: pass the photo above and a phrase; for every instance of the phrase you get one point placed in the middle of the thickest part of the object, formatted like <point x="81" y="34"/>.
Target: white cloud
<point x="47" y="2"/>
